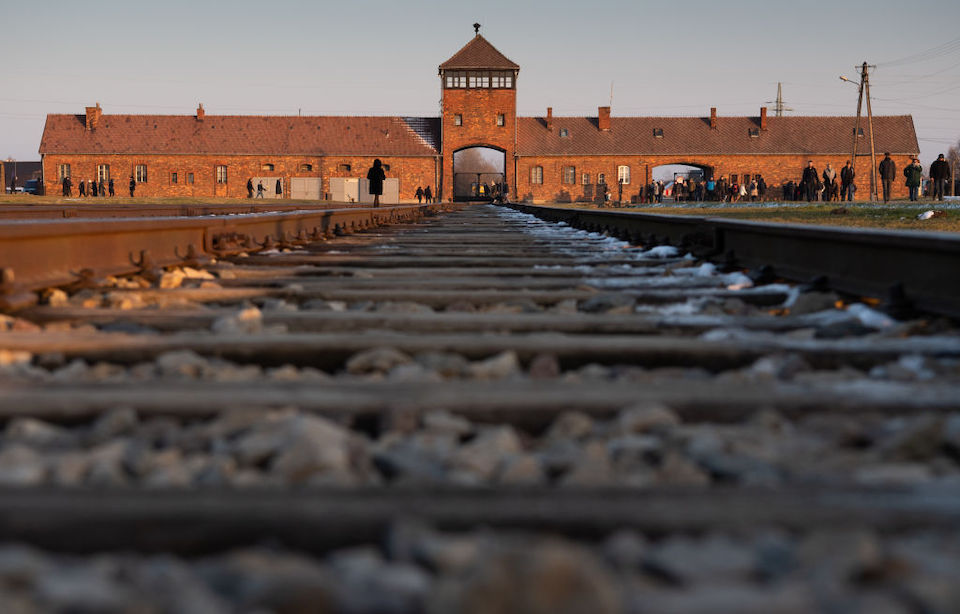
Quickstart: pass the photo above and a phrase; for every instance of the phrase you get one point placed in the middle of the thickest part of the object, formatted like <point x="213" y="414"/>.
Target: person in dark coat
<point x="888" y="172"/>
<point x="809" y="181"/>
<point x="250" y="188"/>
<point x="94" y="188"/>
<point x="67" y="186"/>
<point x="110" y="187"/>
<point x="939" y="174"/>
<point x="419" y="194"/>
<point x="133" y="186"/>
<point x="279" y="187"/>
<point x="376" y="176"/>
<point x="428" y="194"/>
<point x="914" y="174"/>
<point x="761" y="187"/>
<point x="82" y="188"/>
<point x="103" y="191"/>
<point x="847" y="175"/>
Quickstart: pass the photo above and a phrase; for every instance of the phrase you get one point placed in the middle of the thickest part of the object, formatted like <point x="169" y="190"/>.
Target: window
<point x="859" y="131"/>
<point x="501" y="119"/>
<point x="585" y="179"/>
<point x="386" y="167"/>
<point x="343" y="168"/>
<point x="189" y="177"/>
<point x="658" y="133"/>
<point x="733" y="178"/>
<point x="458" y="120"/>
<point x="173" y="177"/>
<point x="536" y="174"/>
<point x="456" y="79"/>
<point x="478" y="79"/>
<point x="754" y="133"/>
<point x="623" y="174"/>
<point x="502" y="80"/>
<point x="103" y="172"/>
<point x="746" y="178"/>
<point x="569" y="175"/>
<point x="140" y="173"/>
<point x="601" y="178"/>
<point x="306" y="167"/>
<point x="222" y="173"/>
<point x="266" y="167"/>
<point x="564" y="132"/>
<point x="63" y="171"/>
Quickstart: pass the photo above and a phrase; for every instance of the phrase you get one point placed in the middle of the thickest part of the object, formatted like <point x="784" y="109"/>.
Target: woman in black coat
<point x="376" y="176"/>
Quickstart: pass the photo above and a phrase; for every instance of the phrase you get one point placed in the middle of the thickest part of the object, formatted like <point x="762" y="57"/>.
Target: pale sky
<point x="371" y="57"/>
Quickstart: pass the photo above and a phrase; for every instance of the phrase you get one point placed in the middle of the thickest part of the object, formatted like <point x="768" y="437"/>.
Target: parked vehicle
<point x="31" y="186"/>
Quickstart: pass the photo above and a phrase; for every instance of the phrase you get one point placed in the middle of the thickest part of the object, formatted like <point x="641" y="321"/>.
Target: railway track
<point x="465" y="404"/>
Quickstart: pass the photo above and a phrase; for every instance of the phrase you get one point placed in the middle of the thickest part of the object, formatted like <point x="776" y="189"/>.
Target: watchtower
<point x="479" y="110"/>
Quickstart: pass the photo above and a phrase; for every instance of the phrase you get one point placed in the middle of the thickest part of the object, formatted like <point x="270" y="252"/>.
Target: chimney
<point x="713" y="117"/>
<point x="603" y="118"/>
<point x="200" y="112"/>
<point x="93" y="117"/>
<point x="550" y="119"/>
<point x="763" y="118"/>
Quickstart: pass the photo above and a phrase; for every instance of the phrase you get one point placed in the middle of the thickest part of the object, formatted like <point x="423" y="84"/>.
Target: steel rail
<point x="193" y="522"/>
<point x="916" y="269"/>
<point x="43" y="253"/>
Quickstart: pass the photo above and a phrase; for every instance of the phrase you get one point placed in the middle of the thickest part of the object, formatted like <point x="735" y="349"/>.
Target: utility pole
<point x="864" y="86"/>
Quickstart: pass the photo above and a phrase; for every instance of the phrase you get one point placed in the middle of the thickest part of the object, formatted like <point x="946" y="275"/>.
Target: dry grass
<point x="29" y="199"/>
<point x="895" y="216"/>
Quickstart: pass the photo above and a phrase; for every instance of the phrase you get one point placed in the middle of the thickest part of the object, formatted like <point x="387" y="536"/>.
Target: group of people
<point x="261" y="190"/>
<point x="92" y="188"/>
<point x="424" y="193"/>
<point x="814" y="186"/>
<point x="718" y="190"/>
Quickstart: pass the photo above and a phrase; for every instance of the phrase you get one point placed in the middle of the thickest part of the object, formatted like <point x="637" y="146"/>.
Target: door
<point x="305" y="188"/>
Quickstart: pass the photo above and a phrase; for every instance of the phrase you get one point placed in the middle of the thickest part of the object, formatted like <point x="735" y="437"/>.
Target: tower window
<point x="458" y="120"/>
<point x="536" y="174"/>
<point x="501" y="119"/>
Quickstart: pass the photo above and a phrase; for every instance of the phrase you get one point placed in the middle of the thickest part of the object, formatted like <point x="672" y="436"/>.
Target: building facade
<point x="540" y="159"/>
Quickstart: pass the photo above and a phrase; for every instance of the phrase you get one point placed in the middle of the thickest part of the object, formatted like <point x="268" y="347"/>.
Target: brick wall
<point x="776" y="170"/>
<point x="412" y="171"/>
<point x="479" y="109"/>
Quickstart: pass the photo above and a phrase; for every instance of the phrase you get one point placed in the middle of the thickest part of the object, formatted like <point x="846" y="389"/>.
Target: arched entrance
<point x="681" y="174"/>
<point x="477" y="172"/>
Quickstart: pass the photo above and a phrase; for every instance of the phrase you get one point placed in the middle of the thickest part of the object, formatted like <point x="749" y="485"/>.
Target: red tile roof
<point x="231" y="134"/>
<point x="693" y="135"/>
<point x="479" y="53"/>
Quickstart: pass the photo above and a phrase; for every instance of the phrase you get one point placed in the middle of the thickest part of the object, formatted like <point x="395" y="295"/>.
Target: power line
<point x="947" y="48"/>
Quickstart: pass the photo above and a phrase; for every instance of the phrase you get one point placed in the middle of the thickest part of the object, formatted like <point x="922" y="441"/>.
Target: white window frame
<point x="221" y="173"/>
<point x="140" y="173"/>
<point x="568" y="175"/>
<point x="458" y="119"/>
<point x="501" y="119"/>
<point x="601" y="178"/>
<point x="63" y="171"/>
<point x="623" y="174"/>
<point x="585" y="179"/>
<point x="536" y="175"/>
<point x="103" y="172"/>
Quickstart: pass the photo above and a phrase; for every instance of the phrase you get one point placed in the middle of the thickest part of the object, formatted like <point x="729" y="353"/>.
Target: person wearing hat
<point x="913" y="173"/>
<point x="939" y="174"/>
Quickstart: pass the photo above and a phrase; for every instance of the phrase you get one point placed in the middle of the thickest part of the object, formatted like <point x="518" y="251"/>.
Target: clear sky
<point x="372" y="57"/>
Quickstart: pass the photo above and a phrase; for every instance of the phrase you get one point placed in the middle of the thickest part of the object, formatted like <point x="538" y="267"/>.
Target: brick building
<point x="540" y="158"/>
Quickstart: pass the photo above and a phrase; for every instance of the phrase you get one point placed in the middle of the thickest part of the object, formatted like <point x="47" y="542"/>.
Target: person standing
<point x="260" y="189"/>
<point x="103" y="191"/>
<point x="939" y="174"/>
<point x="250" y="187"/>
<point x="829" y="179"/>
<point x="94" y="188"/>
<point x="761" y="187"/>
<point x="66" y="186"/>
<point x="110" y="187"/>
<point x="428" y="195"/>
<point x="809" y="181"/>
<point x="376" y="177"/>
<point x="419" y="195"/>
<point x="888" y="171"/>
<point x="279" y="189"/>
<point x="914" y="174"/>
<point x="82" y="188"/>
<point x="133" y="186"/>
<point x="847" y="175"/>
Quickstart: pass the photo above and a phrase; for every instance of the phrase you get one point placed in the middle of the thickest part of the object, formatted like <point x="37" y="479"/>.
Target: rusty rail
<point x="909" y="269"/>
<point x="43" y="253"/>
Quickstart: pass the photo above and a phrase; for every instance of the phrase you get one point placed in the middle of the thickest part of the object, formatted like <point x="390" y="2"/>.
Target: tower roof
<point x="479" y="53"/>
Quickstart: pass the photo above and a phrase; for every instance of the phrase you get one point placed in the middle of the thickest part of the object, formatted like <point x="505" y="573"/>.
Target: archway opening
<point x="682" y="182"/>
<point x="479" y="173"/>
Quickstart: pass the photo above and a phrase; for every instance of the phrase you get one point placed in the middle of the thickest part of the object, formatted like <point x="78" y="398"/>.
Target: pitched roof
<point x="479" y="53"/>
<point x="237" y="135"/>
<point x="693" y="135"/>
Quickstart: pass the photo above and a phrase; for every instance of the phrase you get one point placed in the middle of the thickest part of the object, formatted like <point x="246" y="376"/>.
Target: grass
<point x="29" y="199"/>
<point x="898" y="215"/>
